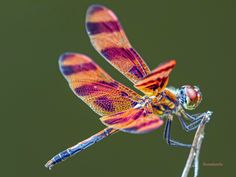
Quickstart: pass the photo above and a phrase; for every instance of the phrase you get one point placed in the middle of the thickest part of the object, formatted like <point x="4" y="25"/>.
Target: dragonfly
<point x="120" y="108"/>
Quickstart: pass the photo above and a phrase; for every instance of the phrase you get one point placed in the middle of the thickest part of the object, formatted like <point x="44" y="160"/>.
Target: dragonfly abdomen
<point x="80" y="146"/>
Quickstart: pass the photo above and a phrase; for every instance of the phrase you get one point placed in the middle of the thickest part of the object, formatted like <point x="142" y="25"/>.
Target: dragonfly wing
<point x="157" y="80"/>
<point x="133" y="120"/>
<point x="109" y="39"/>
<point x="94" y="86"/>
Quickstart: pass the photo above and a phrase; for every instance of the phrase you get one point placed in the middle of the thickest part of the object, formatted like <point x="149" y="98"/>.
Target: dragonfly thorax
<point x="165" y="103"/>
<point x="171" y="99"/>
<point x="144" y="101"/>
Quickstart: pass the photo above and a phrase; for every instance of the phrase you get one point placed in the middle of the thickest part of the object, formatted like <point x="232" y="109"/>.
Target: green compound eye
<point x="191" y="96"/>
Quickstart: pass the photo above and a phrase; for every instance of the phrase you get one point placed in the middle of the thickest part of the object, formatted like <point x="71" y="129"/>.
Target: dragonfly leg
<point x="193" y="117"/>
<point x="190" y="127"/>
<point x="168" y="139"/>
<point x="195" y="122"/>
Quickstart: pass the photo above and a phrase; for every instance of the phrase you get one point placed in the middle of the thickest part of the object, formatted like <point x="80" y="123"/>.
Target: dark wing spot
<point x="116" y="53"/>
<point x="110" y="84"/>
<point x="124" y="94"/>
<point x="103" y="27"/>
<point x="105" y="103"/>
<point x="134" y="70"/>
<point x="86" y="90"/>
<point x="72" y="69"/>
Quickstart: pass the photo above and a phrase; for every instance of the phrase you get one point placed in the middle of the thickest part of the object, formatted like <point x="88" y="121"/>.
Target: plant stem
<point x="196" y="146"/>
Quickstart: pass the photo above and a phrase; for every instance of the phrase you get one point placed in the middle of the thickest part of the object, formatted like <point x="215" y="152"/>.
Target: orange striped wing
<point x="94" y="86"/>
<point x="109" y="39"/>
<point x="157" y="80"/>
<point x="133" y="120"/>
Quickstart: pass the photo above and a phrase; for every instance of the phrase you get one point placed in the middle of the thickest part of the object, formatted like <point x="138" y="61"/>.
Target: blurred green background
<point x="40" y="116"/>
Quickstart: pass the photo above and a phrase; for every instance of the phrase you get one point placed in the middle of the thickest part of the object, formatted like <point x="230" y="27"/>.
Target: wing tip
<point x="94" y="8"/>
<point x="171" y="61"/>
<point x="168" y="63"/>
<point x="68" y="55"/>
<point x="65" y="56"/>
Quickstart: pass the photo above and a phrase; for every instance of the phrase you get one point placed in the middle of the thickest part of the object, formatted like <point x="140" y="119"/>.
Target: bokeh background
<point x="40" y="116"/>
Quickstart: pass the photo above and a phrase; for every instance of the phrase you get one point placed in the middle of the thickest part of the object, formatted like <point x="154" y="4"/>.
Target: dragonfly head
<point x="189" y="96"/>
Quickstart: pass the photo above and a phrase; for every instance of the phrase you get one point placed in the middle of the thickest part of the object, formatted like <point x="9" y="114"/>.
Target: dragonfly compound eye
<point x="190" y="96"/>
